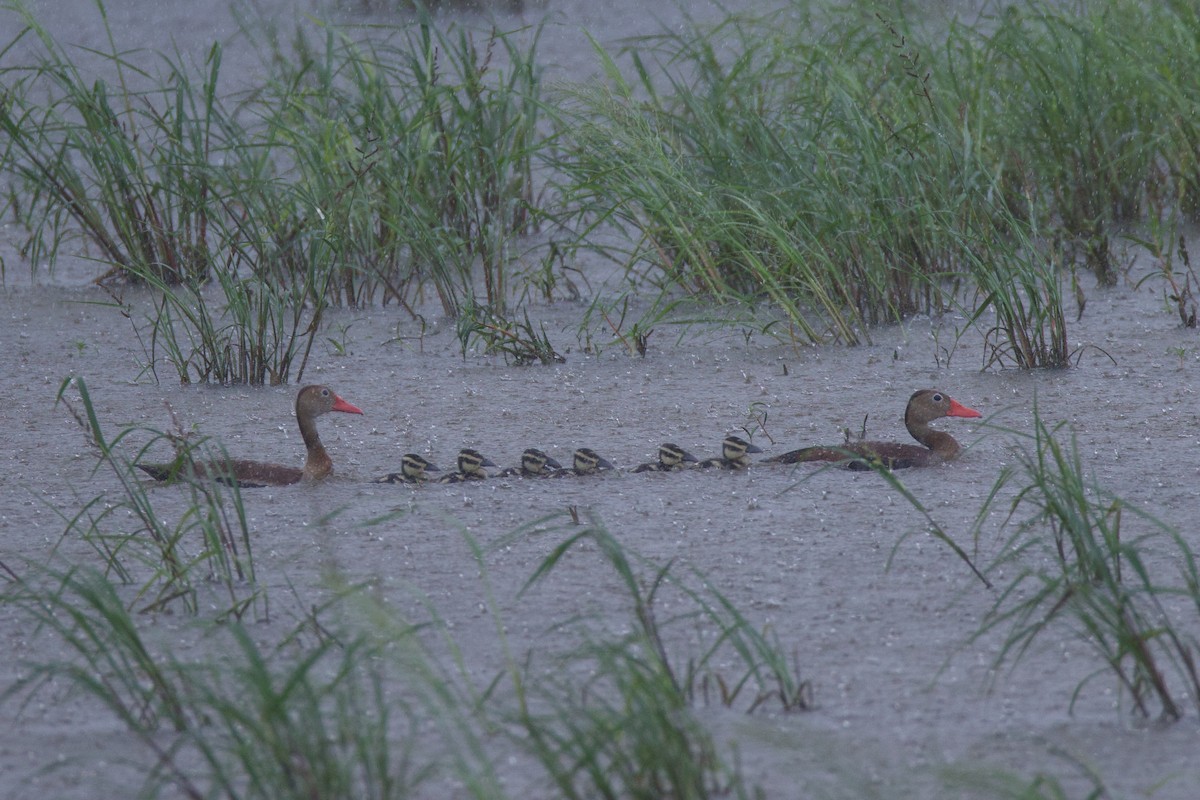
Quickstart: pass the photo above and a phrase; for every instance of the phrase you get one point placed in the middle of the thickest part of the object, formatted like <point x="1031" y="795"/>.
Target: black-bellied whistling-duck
<point x="733" y="455"/>
<point x="311" y="402"/>
<point x="936" y="446"/>
<point x="671" y="458"/>
<point x="585" y="461"/>
<point x="412" y="470"/>
<point x="534" y="464"/>
<point x="470" y="467"/>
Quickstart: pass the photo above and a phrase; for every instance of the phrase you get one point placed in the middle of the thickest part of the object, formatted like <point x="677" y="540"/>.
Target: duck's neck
<point x="318" y="464"/>
<point x="939" y="442"/>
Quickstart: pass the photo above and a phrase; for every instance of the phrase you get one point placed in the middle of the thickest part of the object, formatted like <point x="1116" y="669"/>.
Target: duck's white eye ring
<point x="937" y="398"/>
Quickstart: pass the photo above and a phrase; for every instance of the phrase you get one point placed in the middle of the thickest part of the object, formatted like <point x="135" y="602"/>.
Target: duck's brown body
<point x="311" y="402"/>
<point x="936" y="447"/>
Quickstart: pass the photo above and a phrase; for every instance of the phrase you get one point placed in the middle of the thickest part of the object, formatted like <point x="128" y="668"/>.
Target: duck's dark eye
<point x="937" y="397"/>
<point x="324" y="393"/>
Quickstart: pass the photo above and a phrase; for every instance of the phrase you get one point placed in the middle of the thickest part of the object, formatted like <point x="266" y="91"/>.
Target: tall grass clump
<point x="1072" y="562"/>
<point x="306" y="718"/>
<point x="1080" y="108"/>
<point x="850" y="169"/>
<point x="203" y="560"/>
<point x="1175" y="58"/>
<point x="421" y="146"/>
<point x="611" y="718"/>
<point x="809" y="171"/>
<point x="125" y="167"/>
<point x="166" y="187"/>
<point x="358" y="173"/>
<point x="515" y="340"/>
<point x="1019" y="292"/>
<point x="253" y="324"/>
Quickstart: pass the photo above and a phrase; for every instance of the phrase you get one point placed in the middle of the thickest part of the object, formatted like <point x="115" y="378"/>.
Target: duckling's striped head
<point x="672" y="456"/>
<point x="414" y="467"/>
<point x="735" y="449"/>
<point x="472" y="462"/>
<point x="535" y="462"/>
<point x="588" y="461"/>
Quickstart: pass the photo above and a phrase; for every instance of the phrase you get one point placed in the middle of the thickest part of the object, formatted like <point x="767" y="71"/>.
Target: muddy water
<point x="878" y="613"/>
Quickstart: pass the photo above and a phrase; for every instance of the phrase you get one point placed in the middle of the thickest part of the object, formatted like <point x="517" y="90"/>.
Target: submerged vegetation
<point x="837" y="168"/>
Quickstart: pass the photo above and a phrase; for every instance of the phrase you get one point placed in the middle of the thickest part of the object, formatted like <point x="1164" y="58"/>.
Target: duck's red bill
<point x="341" y="405"/>
<point x="957" y="409"/>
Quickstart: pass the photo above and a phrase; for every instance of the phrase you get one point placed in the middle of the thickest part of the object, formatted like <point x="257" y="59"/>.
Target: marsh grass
<point x="125" y="168"/>
<point x="516" y="340"/>
<point x="134" y="171"/>
<point x="115" y="665"/>
<point x="627" y="730"/>
<point x="252" y="722"/>
<point x="355" y="700"/>
<point x="359" y="173"/>
<point x="975" y="780"/>
<point x="1179" y="279"/>
<point x="635" y="337"/>
<point x="776" y="173"/>
<point x="510" y="6"/>
<point x="766" y="671"/>
<point x="320" y="725"/>
<point x="435" y="128"/>
<point x="850" y="169"/>
<point x="1021" y="297"/>
<point x="933" y="527"/>
<point x="1066" y="561"/>
<point x="255" y="336"/>
<point x="1084" y="103"/>
<point x="202" y="559"/>
<point x="630" y="737"/>
<point x="841" y="168"/>
<point x="1074" y="563"/>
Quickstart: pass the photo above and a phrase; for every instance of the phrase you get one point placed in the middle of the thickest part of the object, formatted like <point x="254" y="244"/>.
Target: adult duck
<point x="936" y="447"/>
<point x="734" y="455"/>
<point x="311" y="402"/>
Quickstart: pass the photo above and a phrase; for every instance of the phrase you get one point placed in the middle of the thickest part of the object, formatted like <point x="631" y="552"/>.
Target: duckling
<point x="470" y="467"/>
<point x="733" y="455"/>
<point x="412" y="470"/>
<point x="671" y="458"/>
<point x="534" y="464"/>
<point x="586" y="462"/>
